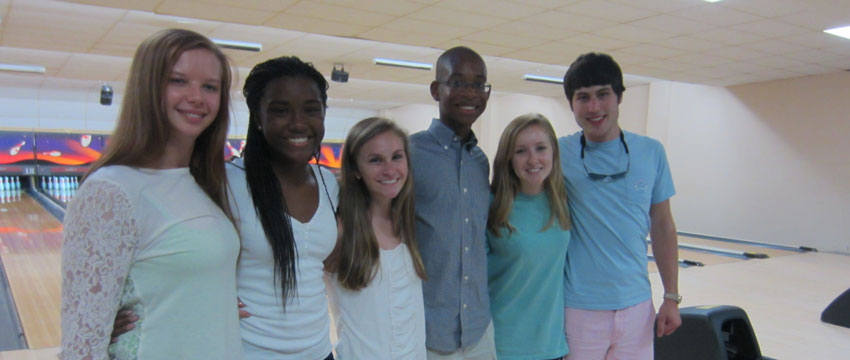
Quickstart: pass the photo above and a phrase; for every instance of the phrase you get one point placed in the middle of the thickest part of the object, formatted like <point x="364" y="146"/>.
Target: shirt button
<point x="465" y="278"/>
<point x="445" y="147"/>
<point x="466" y="220"/>
<point x="464" y="306"/>
<point x="466" y="248"/>
<point x="464" y="189"/>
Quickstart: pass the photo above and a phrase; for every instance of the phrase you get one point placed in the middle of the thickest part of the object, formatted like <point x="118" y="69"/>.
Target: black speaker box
<point x="838" y="311"/>
<point x="106" y="95"/>
<point x="720" y="332"/>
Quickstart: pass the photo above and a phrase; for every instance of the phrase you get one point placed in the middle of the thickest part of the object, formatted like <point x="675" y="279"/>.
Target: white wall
<point x="764" y="162"/>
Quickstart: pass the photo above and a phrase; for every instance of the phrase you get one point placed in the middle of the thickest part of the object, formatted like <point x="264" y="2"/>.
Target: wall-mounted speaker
<point x="339" y="74"/>
<point x="106" y="95"/>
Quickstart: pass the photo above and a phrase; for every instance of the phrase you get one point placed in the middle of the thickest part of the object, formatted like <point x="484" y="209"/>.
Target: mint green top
<point x="526" y="277"/>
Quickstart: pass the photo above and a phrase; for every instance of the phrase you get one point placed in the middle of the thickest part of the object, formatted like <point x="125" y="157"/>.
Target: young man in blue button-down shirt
<point x="451" y="176"/>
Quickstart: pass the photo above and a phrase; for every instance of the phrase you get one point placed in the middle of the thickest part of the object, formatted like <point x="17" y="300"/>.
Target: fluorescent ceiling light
<point x="23" y="68"/>
<point x="403" y="63"/>
<point x="238" y="45"/>
<point x="712" y="1"/>
<point x="843" y="31"/>
<point x="543" y="79"/>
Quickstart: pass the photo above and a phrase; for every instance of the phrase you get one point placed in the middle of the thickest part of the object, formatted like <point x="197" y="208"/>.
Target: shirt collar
<point x="446" y="136"/>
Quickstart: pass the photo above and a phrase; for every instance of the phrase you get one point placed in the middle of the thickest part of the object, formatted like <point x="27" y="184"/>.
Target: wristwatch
<point x="673" y="296"/>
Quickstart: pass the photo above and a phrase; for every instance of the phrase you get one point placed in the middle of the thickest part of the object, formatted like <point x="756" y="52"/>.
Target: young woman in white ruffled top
<point x="375" y="272"/>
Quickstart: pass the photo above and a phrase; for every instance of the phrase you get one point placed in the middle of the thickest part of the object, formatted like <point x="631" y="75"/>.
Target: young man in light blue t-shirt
<point x="619" y="188"/>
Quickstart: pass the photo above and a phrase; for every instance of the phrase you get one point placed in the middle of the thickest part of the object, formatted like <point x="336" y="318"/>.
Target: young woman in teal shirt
<point x="527" y="235"/>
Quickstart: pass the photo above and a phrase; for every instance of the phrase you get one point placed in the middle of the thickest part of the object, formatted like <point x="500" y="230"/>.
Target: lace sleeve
<point x="100" y="239"/>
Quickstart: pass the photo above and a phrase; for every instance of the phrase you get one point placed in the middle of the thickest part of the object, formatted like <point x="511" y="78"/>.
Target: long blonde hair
<point x="356" y="257"/>
<point x="143" y="125"/>
<point x="506" y="183"/>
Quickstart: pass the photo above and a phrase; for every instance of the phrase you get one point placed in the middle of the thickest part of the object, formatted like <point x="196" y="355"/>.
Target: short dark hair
<point x="593" y="69"/>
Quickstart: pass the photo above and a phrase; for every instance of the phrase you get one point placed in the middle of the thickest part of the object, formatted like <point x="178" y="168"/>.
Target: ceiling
<point x="84" y="43"/>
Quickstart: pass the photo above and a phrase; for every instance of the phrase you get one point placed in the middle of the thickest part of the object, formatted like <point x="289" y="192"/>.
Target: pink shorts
<point x="610" y="334"/>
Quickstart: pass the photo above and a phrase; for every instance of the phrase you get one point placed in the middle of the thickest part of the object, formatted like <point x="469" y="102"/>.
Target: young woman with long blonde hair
<point x="528" y="231"/>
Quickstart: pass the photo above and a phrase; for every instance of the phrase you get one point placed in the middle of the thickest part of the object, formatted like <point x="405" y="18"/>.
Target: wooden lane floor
<point x="735" y="246"/>
<point x="30" y="248"/>
<point x="40" y="354"/>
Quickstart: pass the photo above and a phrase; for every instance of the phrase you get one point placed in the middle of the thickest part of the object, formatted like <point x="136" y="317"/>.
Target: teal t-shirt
<point x="525" y="271"/>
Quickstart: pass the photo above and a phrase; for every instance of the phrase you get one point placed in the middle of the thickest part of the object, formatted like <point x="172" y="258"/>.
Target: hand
<point x="242" y="313"/>
<point x="668" y="318"/>
<point x="125" y="321"/>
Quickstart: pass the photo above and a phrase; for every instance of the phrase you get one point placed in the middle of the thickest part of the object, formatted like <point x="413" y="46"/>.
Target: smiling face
<point x="292" y="117"/>
<point x="460" y="106"/>
<point x="192" y="95"/>
<point x="596" y="110"/>
<point x="382" y="166"/>
<point x="531" y="158"/>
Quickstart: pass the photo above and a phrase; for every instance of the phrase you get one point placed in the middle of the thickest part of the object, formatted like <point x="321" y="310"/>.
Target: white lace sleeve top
<point x="152" y="241"/>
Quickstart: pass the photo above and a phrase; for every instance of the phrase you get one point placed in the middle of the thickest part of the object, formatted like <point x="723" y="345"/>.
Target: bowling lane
<point x="30" y="247"/>
<point x="735" y="247"/>
<point x="685" y="254"/>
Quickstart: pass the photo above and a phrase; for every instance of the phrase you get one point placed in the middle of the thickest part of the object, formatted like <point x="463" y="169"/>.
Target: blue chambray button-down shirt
<point x="452" y="199"/>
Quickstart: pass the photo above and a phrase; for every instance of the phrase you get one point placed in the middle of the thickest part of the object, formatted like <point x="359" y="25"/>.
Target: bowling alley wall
<point x="764" y="162"/>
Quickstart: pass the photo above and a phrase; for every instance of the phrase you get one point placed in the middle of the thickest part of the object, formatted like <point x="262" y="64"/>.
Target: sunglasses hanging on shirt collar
<point x="606" y="177"/>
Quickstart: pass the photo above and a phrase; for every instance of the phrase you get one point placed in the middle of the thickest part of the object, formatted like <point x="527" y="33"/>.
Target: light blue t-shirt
<point x="526" y="275"/>
<point x="606" y="261"/>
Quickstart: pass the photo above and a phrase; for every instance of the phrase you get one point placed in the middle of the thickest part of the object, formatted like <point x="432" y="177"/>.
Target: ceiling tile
<point x="607" y="10"/>
<point x="211" y="11"/>
<point x="650" y="50"/>
<point x="494" y="8"/>
<point x="445" y="15"/>
<point x="820" y="17"/>
<point x="480" y="47"/>
<point x="775" y="46"/>
<point x="569" y="22"/>
<point x="504" y="40"/>
<point x="315" y="25"/>
<point x="689" y="43"/>
<point x="387" y="35"/>
<point x="701" y="60"/>
<point x="717" y="15"/>
<point x="143" y="5"/>
<point x="768" y="8"/>
<point x="51" y="60"/>
<point x="661" y="6"/>
<point x="728" y="36"/>
<point x="594" y="42"/>
<point x="80" y="66"/>
<point x="531" y="28"/>
<point x="441" y="31"/>
<point x="672" y="25"/>
<point x="338" y="14"/>
<point x="770" y="28"/>
<point x="736" y="53"/>
<point x="629" y="32"/>
<point x="390" y="7"/>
